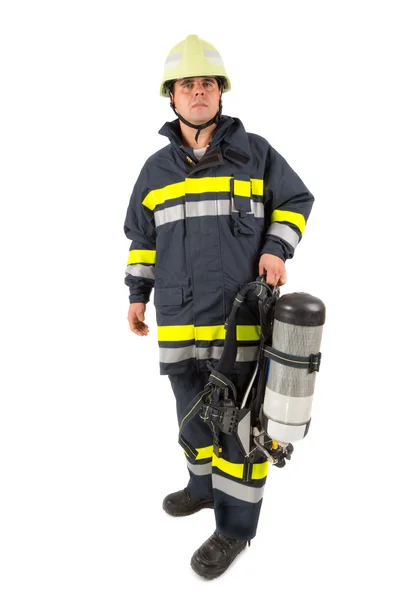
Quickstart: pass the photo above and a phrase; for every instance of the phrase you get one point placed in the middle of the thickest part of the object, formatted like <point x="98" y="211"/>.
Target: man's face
<point x="196" y="98"/>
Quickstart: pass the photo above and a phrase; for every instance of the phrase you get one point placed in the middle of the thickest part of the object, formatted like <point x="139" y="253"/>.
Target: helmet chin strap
<point x="199" y="128"/>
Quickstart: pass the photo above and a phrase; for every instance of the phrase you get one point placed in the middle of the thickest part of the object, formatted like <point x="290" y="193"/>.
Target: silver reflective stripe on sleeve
<point x="140" y="271"/>
<point x="200" y="469"/>
<point x="285" y="233"/>
<point x="172" y="355"/>
<point x="237" y="490"/>
<point x="203" y="208"/>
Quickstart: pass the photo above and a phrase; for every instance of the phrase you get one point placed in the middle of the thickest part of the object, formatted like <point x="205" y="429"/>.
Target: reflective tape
<point x="201" y="470"/>
<point x="259" y="470"/>
<point x="242" y="188"/>
<point x="243" y="354"/>
<point x="169" y="192"/>
<point x="203" y="185"/>
<point x="173" y="57"/>
<point x="203" y="208"/>
<point x="169" y="215"/>
<point x="213" y="57"/>
<point x="291" y="217"/>
<point x="205" y="452"/>
<point x="172" y="355"/>
<point x="180" y="333"/>
<point x="237" y="490"/>
<point x="285" y="233"/>
<point x="140" y="271"/>
<point x="142" y="256"/>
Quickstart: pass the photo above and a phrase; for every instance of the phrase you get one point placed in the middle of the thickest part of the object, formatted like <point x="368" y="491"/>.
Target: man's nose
<point x="198" y="88"/>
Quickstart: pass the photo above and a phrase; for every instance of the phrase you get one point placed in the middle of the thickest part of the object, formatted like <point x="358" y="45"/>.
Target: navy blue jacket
<point x="198" y="230"/>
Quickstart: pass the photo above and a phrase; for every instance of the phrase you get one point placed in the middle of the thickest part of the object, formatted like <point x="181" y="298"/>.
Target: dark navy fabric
<point x="185" y="388"/>
<point x="202" y="261"/>
<point x="234" y="517"/>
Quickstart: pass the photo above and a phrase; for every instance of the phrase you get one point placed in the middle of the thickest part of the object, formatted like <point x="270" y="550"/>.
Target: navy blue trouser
<point x="236" y="486"/>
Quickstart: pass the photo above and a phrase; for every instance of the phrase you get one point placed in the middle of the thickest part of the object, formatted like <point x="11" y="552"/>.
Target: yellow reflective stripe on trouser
<point x="203" y="453"/>
<point x="175" y="333"/>
<point x="181" y="333"/>
<point x="142" y="256"/>
<point x="236" y="469"/>
<point x="290" y="217"/>
<point x="202" y="186"/>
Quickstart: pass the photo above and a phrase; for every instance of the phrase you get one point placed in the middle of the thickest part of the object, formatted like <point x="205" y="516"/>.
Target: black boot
<point x="181" y="504"/>
<point x="215" y="555"/>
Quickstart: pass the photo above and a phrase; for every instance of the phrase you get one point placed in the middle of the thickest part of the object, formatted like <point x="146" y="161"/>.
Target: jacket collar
<point x="229" y="134"/>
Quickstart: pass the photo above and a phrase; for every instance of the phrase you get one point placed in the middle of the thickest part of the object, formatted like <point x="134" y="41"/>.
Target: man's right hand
<point x="136" y="318"/>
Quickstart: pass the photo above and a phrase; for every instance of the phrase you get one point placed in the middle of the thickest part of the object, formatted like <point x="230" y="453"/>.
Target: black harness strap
<point x="312" y="362"/>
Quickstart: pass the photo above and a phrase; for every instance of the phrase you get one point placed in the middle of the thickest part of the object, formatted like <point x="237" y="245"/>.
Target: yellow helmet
<point x="193" y="58"/>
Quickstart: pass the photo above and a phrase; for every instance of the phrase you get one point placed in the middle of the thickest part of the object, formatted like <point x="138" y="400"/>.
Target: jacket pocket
<point x="172" y="296"/>
<point x="241" y="210"/>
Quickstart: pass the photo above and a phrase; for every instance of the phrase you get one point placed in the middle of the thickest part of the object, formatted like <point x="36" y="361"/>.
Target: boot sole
<point x="189" y="512"/>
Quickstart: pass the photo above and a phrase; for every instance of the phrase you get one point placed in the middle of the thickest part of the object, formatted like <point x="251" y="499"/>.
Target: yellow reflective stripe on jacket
<point x="203" y="185"/>
<point x="208" y="184"/>
<point x="257" y="187"/>
<point x="290" y="217"/>
<point x="203" y="453"/>
<point x="236" y="469"/>
<point x="169" y="192"/>
<point x="242" y="188"/>
<point x="181" y="333"/>
<point x="142" y="256"/>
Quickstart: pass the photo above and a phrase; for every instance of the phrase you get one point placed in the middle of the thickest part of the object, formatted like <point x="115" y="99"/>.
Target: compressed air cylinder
<point x="297" y="330"/>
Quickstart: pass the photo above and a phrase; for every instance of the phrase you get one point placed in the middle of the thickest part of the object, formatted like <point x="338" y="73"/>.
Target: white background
<point x="87" y="429"/>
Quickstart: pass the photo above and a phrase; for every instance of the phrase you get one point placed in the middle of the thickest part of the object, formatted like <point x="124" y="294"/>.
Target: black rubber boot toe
<point x="215" y="555"/>
<point x="182" y="504"/>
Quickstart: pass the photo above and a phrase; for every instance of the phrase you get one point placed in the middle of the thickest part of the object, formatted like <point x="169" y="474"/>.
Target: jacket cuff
<point x="139" y="298"/>
<point x="277" y="247"/>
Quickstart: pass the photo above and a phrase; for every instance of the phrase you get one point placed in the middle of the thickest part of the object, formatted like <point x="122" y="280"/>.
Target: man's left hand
<point x="274" y="268"/>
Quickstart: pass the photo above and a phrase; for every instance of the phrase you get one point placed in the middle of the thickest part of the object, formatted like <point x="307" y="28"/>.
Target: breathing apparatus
<point x="276" y="407"/>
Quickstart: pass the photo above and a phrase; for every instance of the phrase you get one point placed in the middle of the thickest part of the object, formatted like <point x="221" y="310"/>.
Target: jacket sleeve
<point x="288" y="204"/>
<point x="139" y="227"/>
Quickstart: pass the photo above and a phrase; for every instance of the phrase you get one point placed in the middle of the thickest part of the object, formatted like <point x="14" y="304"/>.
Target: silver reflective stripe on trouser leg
<point x="237" y="490"/>
<point x="200" y="470"/>
<point x="173" y="355"/>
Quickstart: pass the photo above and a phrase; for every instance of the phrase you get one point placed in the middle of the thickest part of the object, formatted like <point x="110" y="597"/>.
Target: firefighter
<point x="209" y="212"/>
